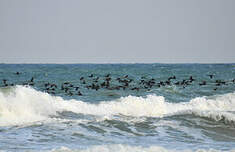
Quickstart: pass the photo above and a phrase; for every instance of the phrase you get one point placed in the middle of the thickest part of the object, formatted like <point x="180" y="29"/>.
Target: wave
<point x="20" y="105"/>
<point x="127" y="148"/>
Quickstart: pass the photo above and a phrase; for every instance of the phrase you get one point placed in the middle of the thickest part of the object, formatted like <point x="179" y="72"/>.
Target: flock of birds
<point x="111" y="83"/>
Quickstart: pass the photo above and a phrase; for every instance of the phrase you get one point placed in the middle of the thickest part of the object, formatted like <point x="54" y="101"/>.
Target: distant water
<point x="117" y="107"/>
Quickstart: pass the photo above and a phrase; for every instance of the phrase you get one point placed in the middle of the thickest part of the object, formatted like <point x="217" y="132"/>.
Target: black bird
<point x="4" y="81"/>
<point x="54" y="85"/>
<point x="70" y="85"/>
<point x="168" y="82"/>
<point x="210" y="75"/>
<point x="135" y="88"/>
<point x="81" y="78"/>
<point x="185" y="82"/>
<point x="102" y="84"/>
<point x="161" y="83"/>
<point x="90" y="76"/>
<point x="47" y="84"/>
<point x="17" y="73"/>
<point x="177" y="83"/>
<point x="96" y="79"/>
<point x="76" y="88"/>
<point x="173" y="77"/>
<point x="219" y="82"/>
<point x="66" y="83"/>
<point x="191" y="79"/>
<point x="79" y="93"/>
<point x="32" y="79"/>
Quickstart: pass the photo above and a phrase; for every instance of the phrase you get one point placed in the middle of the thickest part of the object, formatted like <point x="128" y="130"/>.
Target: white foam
<point x="127" y="148"/>
<point x="218" y="108"/>
<point x="26" y="105"/>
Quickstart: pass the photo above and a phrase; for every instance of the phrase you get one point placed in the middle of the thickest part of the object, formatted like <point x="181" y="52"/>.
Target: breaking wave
<point x="20" y="105"/>
<point x="127" y="148"/>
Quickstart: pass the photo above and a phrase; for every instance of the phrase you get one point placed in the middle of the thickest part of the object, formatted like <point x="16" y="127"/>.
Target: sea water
<point x="136" y="111"/>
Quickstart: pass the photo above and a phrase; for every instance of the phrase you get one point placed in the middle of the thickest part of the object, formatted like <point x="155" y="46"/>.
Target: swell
<point x="20" y="105"/>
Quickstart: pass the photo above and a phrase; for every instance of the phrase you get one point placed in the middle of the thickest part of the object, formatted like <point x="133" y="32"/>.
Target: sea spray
<point x="25" y="104"/>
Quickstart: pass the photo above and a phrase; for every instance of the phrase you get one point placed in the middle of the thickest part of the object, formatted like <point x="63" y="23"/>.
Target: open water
<point x="117" y="107"/>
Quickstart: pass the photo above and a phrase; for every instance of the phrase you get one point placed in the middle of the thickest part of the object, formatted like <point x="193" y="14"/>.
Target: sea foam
<point x="127" y="148"/>
<point x="23" y="105"/>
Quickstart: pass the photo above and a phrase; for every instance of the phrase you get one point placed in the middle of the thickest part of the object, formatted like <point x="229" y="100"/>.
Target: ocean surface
<point x="117" y="107"/>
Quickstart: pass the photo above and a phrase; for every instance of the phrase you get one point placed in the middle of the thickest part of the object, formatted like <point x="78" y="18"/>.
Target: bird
<point x="79" y="93"/>
<point x="81" y="78"/>
<point x="210" y="75"/>
<point x="32" y="79"/>
<point x="90" y="76"/>
<point x="4" y="81"/>
<point x="191" y="79"/>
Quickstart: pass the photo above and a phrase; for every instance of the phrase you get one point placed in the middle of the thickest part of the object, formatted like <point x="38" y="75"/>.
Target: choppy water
<point x="121" y="107"/>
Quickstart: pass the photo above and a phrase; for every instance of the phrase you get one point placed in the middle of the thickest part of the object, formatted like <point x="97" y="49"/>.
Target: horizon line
<point x="122" y="63"/>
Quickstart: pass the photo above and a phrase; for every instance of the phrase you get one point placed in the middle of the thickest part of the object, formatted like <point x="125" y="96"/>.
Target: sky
<point x="117" y="31"/>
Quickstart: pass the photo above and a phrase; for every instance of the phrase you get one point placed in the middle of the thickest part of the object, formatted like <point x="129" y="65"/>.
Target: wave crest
<point x="25" y="105"/>
<point x="127" y="148"/>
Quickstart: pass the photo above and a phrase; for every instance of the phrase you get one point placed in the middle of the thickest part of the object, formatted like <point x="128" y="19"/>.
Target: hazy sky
<point x="120" y="31"/>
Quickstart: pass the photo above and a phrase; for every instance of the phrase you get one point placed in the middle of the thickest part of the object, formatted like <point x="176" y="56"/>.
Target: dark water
<point x="117" y="107"/>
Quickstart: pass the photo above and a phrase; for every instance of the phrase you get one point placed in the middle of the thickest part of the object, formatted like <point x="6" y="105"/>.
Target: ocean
<point x="117" y="107"/>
